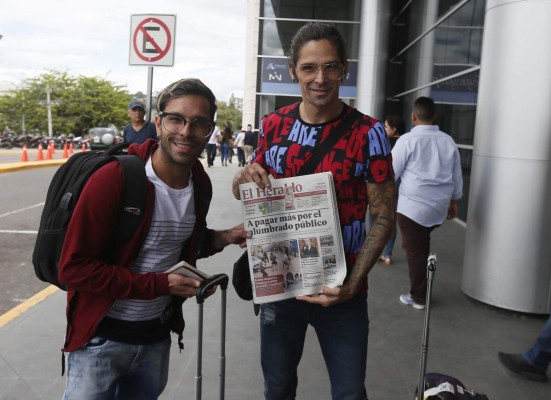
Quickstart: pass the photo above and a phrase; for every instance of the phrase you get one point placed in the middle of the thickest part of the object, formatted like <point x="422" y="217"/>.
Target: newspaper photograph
<point x="296" y="246"/>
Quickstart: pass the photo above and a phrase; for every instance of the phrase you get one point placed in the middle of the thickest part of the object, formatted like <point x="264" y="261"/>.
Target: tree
<point x="77" y="104"/>
<point x="229" y="114"/>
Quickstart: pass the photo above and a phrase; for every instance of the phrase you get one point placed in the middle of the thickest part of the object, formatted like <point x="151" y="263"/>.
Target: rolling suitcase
<point x="202" y="293"/>
<point x="433" y="385"/>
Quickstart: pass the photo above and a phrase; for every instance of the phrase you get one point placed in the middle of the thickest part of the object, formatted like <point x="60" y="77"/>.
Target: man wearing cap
<point x="138" y="130"/>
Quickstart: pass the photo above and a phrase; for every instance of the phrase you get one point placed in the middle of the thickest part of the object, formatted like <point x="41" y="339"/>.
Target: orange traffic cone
<point x="49" y="156"/>
<point x="52" y="144"/>
<point x="40" y="155"/>
<point x="71" y="149"/>
<point x="83" y="147"/>
<point x="24" y="156"/>
<point x="65" y="151"/>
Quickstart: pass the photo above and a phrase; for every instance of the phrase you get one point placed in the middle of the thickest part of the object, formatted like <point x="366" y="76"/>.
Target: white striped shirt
<point x="172" y="224"/>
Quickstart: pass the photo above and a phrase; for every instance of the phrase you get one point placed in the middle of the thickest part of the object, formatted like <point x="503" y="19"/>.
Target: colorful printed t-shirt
<point x="361" y="155"/>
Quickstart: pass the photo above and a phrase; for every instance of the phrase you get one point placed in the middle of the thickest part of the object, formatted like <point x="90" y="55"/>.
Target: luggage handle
<point x="203" y="291"/>
<point x="431" y="269"/>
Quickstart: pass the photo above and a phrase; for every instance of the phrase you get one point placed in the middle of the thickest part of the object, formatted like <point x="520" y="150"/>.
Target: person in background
<point x="121" y="305"/>
<point x="238" y="144"/>
<point x="427" y="162"/>
<point x="362" y="174"/>
<point x="224" y="141"/>
<point x="394" y="127"/>
<point x="233" y="151"/>
<point x="138" y="130"/>
<point x="212" y="145"/>
<point x="534" y="362"/>
<point x="250" y="143"/>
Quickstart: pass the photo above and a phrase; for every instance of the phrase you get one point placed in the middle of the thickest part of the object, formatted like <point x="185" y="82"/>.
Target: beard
<point x="179" y="151"/>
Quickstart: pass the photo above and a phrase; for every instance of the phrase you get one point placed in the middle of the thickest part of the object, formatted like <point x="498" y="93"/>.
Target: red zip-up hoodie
<point x="97" y="276"/>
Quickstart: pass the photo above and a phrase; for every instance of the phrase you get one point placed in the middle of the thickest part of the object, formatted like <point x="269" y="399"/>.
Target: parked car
<point x="103" y="138"/>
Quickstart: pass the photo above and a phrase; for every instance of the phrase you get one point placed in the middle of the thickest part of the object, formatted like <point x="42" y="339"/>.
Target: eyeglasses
<point x="175" y="123"/>
<point x="308" y="72"/>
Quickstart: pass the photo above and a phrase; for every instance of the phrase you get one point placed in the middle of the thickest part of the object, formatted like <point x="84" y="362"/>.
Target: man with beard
<point x="121" y="306"/>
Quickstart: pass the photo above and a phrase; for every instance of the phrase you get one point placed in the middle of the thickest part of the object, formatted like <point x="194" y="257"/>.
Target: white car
<point x="103" y="138"/>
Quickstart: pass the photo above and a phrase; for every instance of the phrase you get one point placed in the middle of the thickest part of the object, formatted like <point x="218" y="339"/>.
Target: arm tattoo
<point x="382" y="206"/>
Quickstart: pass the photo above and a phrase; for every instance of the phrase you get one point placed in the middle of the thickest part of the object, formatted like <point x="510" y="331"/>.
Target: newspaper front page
<point x="296" y="246"/>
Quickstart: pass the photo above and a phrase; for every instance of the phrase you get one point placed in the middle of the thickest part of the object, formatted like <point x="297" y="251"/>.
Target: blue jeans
<point x="106" y="370"/>
<point x="225" y="152"/>
<point x="539" y="355"/>
<point x="241" y="156"/>
<point x="342" y="331"/>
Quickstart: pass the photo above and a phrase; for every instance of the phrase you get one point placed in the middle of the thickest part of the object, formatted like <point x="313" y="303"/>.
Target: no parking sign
<point x="152" y="38"/>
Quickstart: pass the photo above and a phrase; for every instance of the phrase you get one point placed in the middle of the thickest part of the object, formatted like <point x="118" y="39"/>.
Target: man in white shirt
<point x="239" y="144"/>
<point x="428" y="164"/>
<point x="211" y="146"/>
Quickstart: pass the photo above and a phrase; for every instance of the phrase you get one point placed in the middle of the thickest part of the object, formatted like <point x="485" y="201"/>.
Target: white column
<point x="508" y="244"/>
<point x="251" y="63"/>
<point x="373" y="57"/>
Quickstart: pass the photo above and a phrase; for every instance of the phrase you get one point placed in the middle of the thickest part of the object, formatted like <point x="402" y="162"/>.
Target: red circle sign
<point x="161" y="51"/>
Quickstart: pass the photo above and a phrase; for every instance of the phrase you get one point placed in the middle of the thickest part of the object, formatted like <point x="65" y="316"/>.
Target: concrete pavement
<point x="464" y="337"/>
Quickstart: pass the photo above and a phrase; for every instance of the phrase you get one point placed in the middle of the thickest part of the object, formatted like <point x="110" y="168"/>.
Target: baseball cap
<point x="136" y="103"/>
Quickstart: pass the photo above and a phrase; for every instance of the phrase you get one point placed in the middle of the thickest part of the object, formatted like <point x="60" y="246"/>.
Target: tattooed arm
<point x="382" y="205"/>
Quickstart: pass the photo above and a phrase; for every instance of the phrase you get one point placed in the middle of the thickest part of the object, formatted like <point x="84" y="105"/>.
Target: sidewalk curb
<point x="27" y="304"/>
<point x="17" y="166"/>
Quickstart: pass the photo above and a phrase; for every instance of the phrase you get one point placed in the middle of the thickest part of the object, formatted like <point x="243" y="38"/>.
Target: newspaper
<point x="296" y="245"/>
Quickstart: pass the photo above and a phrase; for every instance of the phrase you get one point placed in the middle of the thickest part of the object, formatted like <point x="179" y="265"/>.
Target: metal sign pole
<point x="149" y="98"/>
<point x="49" y="107"/>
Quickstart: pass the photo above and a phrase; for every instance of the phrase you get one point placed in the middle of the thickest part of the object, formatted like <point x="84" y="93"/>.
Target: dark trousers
<point x="241" y="156"/>
<point x="211" y="153"/>
<point x="416" y="244"/>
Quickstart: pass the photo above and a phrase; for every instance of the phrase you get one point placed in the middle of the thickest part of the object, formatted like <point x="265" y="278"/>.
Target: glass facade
<point x="341" y="10"/>
<point x="277" y="35"/>
<point x="434" y="50"/>
<point x="278" y="23"/>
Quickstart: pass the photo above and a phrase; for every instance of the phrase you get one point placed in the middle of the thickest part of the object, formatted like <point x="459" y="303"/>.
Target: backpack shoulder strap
<point x="134" y="198"/>
<point x="320" y="151"/>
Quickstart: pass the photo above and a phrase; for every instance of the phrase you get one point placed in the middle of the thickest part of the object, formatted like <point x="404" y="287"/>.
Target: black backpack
<point x="63" y="194"/>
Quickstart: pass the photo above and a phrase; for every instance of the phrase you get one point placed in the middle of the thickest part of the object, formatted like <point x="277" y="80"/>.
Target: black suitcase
<point x="202" y="292"/>
<point x="435" y="386"/>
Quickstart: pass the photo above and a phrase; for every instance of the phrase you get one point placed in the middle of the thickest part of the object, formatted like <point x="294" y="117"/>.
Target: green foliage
<point x="80" y="103"/>
<point x="229" y="114"/>
<point x="77" y="104"/>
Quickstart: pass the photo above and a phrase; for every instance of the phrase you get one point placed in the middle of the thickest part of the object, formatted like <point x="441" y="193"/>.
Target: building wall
<point x="272" y="24"/>
<point x="251" y="63"/>
<point x="404" y="49"/>
<point x="434" y="50"/>
<point x="398" y="50"/>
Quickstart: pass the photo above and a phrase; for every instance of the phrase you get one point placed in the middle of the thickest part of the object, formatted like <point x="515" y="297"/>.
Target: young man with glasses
<point x="121" y="306"/>
<point x="362" y="169"/>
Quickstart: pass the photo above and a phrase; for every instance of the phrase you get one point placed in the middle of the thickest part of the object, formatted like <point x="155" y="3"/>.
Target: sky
<point x="92" y="38"/>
